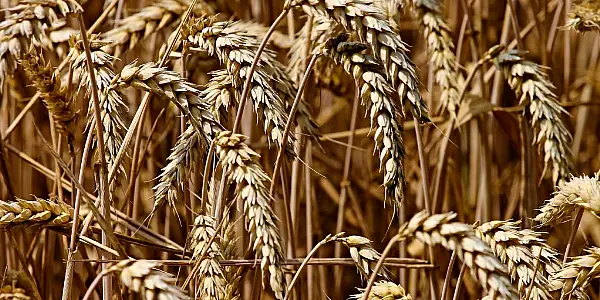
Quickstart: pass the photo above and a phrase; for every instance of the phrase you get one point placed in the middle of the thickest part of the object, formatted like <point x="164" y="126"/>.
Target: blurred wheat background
<point x="299" y="149"/>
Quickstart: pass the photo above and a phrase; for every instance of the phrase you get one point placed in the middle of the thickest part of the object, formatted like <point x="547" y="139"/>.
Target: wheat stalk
<point x="584" y="17"/>
<point x="376" y="95"/>
<point x="236" y="50"/>
<point x="513" y="247"/>
<point x="208" y="268"/>
<point x="384" y="290"/>
<point x="35" y="212"/>
<point x="534" y="90"/>
<point x="460" y="238"/>
<point x="576" y="275"/>
<point x="239" y="162"/>
<point x="55" y="97"/>
<point x="113" y="109"/>
<point x="26" y="25"/>
<point x="581" y="192"/>
<point x="144" y="278"/>
<point x="151" y="19"/>
<point x="363" y="254"/>
<point x="368" y="22"/>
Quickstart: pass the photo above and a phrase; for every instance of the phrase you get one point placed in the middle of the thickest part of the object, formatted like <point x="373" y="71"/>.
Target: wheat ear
<point x="236" y="51"/>
<point x="534" y="90"/>
<point x="368" y="22"/>
<point x="584" y="17"/>
<point x="9" y="292"/>
<point x="239" y="162"/>
<point x="111" y="102"/>
<point x="27" y="25"/>
<point x="581" y="192"/>
<point x="55" y="97"/>
<point x="377" y="96"/>
<point x="35" y="212"/>
<point x="460" y="238"/>
<point x="363" y="254"/>
<point x="513" y="247"/>
<point x="384" y="290"/>
<point x="576" y="275"/>
<point x="151" y="19"/>
<point x="144" y="278"/>
<point x="209" y="270"/>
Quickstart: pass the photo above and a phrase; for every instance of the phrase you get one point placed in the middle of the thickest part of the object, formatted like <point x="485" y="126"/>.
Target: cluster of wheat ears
<point x="212" y="149"/>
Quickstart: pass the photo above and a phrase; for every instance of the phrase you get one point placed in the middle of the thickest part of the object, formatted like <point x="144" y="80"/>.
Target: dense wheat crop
<point x="299" y="149"/>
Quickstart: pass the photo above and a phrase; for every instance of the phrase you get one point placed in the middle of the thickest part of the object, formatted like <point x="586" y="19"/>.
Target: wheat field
<point x="299" y="149"/>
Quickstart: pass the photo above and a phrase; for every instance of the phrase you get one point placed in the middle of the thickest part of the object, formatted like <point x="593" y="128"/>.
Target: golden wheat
<point x="384" y="290"/>
<point x="363" y="254"/>
<point x="144" y="278"/>
<point x="584" y="17"/>
<point x="208" y="269"/>
<point x="35" y="212"/>
<point x="576" y="275"/>
<point x="8" y="292"/>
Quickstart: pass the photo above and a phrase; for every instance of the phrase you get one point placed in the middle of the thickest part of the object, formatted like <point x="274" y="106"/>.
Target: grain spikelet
<point x="239" y="162"/>
<point x="112" y="106"/>
<point x="384" y="290"/>
<point x="513" y="247"/>
<point x="49" y="86"/>
<point x="236" y="50"/>
<point x="153" y="18"/>
<point x="363" y="254"/>
<point x="578" y="192"/>
<point x="8" y="292"/>
<point x="27" y="22"/>
<point x="584" y="17"/>
<point x="376" y="95"/>
<point x="208" y="269"/>
<point x="461" y="238"/>
<point x="576" y="275"/>
<point x="534" y="90"/>
<point x="144" y="278"/>
<point x="35" y="212"/>
<point x="369" y="23"/>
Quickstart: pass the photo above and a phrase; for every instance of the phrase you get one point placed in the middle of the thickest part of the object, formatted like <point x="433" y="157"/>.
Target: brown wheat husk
<point x="584" y="17"/>
<point x="384" y="290"/>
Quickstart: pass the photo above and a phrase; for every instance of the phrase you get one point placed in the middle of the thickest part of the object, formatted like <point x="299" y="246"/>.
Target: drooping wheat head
<point x="113" y="109"/>
<point x="363" y="254"/>
<point x="54" y="96"/>
<point x="363" y="18"/>
<point x="384" y="290"/>
<point x="239" y="162"/>
<point x="151" y="19"/>
<point x="513" y="247"/>
<point x="576" y="275"/>
<point x="460" y="238"/>
<point x="35" y="212"/>
<point x="27" y="24"/>
<point x="535" y="91"/>
<point x="144" y="278"/>
<point x="236" y="50"/>
<point x="207" y="268"/>
<point x="579" y="192"/>
<point x="378" y="97"/>
<point x="584" y="17"/>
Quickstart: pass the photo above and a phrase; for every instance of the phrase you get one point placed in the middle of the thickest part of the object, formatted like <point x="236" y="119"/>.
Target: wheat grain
<point x="581" y="192"/>
<point x="584" y="17"/>
<point x="368" y="22"/>
<point x="239" y="162"/>
<point x="576" y="275"/>
<point x="35" y="212"/>
<point x="151" y="19"/>
<point x="144" y="278"/>
<point x="384" y="290"/>
<point x="363" y="254"/>
<point x="376" y="95"/>
<point x="534" y="90"/>
<point x="461" y="238"/>
<point x="55" y="97"/>
<point x="27" y="24"/>
<point x="8" y="292"/>
<point x="513" y="247"/>
<point x="113" y="109"/>
<point x="209" y="270"/>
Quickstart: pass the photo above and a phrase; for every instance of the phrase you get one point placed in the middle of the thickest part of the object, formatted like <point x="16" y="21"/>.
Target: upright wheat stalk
<point x="535" y="91"/>
<point x="377" y="96"/>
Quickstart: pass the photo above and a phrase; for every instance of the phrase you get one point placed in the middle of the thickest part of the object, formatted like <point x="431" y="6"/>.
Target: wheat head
<point x="363" y="18"/>
<point x="384" y="290"/>
<point x="8" y="292"/>
<point x="377" y="96"/>
<point x="534" y="90"/>
<point x="35" y="212"/>
<point x="576" y="275"/>
<point x="579" y="192"/>
<point x="144" y="278"/>
<point x="363" y="254"/>
<point x="584" y="17"/>
<point x="208" y="269"/>
<point x="239" y="162"/>
<point x="460" y="238"/>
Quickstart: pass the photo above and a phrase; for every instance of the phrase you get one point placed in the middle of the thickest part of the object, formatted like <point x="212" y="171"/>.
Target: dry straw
<point x="579" y="192"/>
<point x="384" y="290"/>
<point x="27" y="24"/>
<point x="363" y="18"/>
<point x="145" y="279"/>
<point x="577" y="275"/>
<point x="377" y="96"/>
<point x="55" y="97"/>
<point x="535" y="91"/>
<point x="35" y="212"/>
<point x="584" y="17"/>
<point x="207" y="268"/>
<point x="239" y="162"/>
<point x="460" y="238"/>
